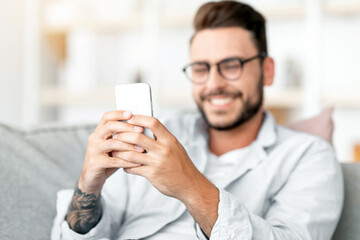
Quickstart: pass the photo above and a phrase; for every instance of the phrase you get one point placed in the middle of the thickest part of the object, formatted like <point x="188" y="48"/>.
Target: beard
<point x="245" y="114"/>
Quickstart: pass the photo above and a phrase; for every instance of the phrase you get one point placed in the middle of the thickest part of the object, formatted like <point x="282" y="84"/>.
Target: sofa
<point x="35" y="164"/>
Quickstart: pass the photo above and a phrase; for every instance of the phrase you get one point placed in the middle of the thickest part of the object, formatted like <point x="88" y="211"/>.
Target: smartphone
<point x="136" y="98"/>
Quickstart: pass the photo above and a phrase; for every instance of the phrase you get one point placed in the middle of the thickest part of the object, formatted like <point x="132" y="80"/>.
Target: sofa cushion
<point x="35" y="165"/>
<point x="321" y="125"/>
<point x="348" y="227"/>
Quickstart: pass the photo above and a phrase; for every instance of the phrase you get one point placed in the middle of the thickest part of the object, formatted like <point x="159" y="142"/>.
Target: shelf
<point x="177" y="21"/>
<point x="290" y="12"/>
<point x="292" y="98"/>
<point x="274" y="98"/>
<point x="346" y="8"/>
<point x="283" y="98"/>
<point x="64" y="15"/>
<point x="94" y="25"/>
<point x="271" y="13"/>
<point x="67" y="19"/>
<point x="345" y="99"/>
<point x="52" y="97"/>
<point x="55" y="97"/>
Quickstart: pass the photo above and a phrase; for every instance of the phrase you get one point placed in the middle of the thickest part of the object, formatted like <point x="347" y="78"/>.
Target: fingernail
<point x="115" y="136"/>
<point x="138" y="129"/>
<point x="140" y="149"/>
<point x="127" y="114"/>
<point x="113" y="153"/>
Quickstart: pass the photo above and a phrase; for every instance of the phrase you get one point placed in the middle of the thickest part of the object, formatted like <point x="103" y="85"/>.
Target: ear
<point x="268" y="71"/>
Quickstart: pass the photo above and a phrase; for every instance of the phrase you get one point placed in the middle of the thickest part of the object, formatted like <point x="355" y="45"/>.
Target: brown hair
<point x="232" y="14"/>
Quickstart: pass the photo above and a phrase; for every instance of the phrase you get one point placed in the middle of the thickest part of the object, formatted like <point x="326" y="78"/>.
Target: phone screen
<point x="136" y="98"/>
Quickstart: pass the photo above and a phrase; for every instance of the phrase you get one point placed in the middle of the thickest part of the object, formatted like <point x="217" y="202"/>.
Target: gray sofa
<point x="36" y="164"/>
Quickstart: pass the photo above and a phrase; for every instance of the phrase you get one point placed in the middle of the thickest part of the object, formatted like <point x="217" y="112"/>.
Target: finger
<point x="140" y="170"/>
<point x="115" y="162"/>
<point x="137" y="148"/>
<point x="115" y="115"/>
<point x="111" y="145"/>
<point x="139" y="139"/>
<point x="158" y="129"/>
<point x="133" y="157"/>
<point x="112" y="127"/>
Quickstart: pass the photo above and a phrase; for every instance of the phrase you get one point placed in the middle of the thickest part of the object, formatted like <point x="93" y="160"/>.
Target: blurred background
<point x="60" y="59"/>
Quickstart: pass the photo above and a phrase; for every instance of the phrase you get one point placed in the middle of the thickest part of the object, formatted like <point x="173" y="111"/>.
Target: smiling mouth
<point x="220" y="101"/>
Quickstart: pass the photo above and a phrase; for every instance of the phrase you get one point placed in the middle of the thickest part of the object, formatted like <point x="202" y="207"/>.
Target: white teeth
<point x="220" y="101"/>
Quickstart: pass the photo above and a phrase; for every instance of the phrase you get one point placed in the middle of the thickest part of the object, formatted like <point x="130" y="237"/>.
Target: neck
<point x="221" y="142"/>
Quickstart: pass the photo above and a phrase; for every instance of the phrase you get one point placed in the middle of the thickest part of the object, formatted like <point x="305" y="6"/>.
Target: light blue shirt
<point x="287" y="185"/>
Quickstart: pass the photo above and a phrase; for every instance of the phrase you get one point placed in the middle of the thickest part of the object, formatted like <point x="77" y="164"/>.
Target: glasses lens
<point x="230" y="69"/>
<point x="197" y="72"/>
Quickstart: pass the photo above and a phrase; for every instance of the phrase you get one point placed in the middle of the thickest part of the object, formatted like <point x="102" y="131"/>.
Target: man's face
<point x="227" y="104"/>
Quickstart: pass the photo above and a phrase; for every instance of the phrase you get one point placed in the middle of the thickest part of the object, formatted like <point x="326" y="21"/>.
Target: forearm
<point x="203" y="204"/>
<point x="84" y="211"/>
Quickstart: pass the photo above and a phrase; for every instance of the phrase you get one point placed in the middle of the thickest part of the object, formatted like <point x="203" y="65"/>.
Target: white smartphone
<point x="136" y="98"/>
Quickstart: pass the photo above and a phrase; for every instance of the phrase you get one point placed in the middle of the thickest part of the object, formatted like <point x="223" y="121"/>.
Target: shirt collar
<point x="267" y="135"/>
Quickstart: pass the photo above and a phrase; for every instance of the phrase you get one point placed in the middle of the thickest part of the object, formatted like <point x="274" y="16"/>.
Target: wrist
<point x="89" y="188"/>
<point x="203" y="193"/>
<point x="203" y="204"/>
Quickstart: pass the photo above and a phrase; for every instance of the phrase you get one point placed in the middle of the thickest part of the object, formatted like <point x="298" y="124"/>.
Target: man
<point x="227" y="173"/>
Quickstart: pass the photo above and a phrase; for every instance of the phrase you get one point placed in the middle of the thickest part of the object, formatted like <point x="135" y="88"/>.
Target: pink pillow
<point x="321" y="125"/>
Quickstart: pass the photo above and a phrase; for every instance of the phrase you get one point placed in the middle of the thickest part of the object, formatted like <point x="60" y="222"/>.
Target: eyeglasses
<point x="229" y="68"/>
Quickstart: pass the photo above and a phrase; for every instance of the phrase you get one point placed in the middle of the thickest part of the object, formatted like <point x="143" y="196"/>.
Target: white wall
<point x="11" y="60"/>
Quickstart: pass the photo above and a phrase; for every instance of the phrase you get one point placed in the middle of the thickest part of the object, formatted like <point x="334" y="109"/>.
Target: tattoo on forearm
<point x="84" y="211"/>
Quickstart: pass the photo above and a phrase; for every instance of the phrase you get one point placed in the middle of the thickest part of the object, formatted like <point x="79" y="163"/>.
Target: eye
<point x="230" y="65"/>
<point x="199" y="68"/>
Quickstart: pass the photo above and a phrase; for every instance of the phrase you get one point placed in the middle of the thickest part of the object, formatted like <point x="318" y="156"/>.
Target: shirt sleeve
<point x="308" y="206"/>
<point x="61" y="229"/>
<point x="113" y="202"/>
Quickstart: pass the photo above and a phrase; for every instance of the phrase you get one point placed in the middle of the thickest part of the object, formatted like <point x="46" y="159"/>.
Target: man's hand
<point x="99" y="162"/>
<point x="85" y="209"/>
<point x="168" y="168"/>
<point x="165" y="164"/>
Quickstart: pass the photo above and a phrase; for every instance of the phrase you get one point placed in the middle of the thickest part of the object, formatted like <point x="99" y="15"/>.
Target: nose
<point x="215" y="80"/>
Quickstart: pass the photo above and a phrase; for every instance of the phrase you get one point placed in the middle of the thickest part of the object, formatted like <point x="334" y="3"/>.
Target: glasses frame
<point x="241" y="61"/>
